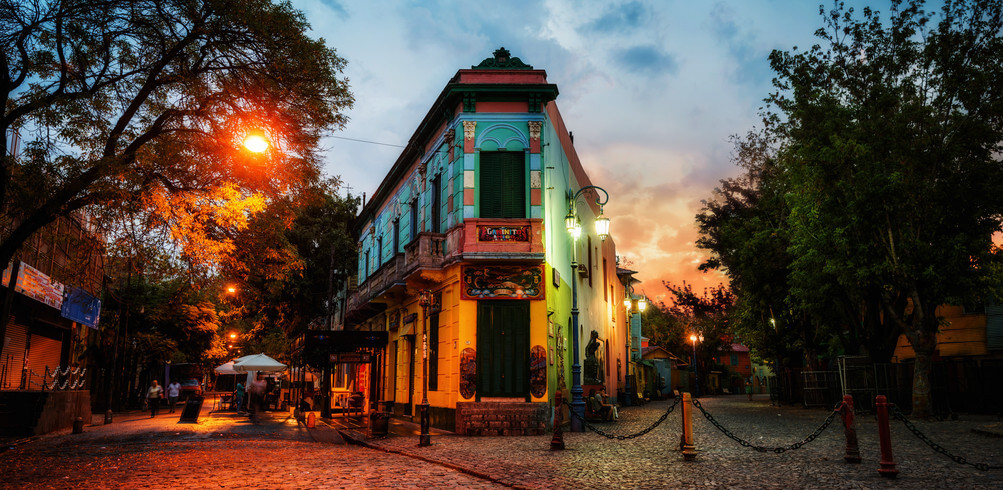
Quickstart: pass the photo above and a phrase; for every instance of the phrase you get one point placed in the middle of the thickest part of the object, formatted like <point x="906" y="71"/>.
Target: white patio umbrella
<point x="226" y="368"/>
<point x="258" y="362"/>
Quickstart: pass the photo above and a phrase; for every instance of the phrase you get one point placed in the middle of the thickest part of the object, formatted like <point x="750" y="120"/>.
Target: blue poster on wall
<point x="81" y="307"/>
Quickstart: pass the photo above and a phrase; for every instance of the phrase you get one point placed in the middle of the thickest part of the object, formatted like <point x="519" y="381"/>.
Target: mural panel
<point x="502" y="282"/>
<point x="538" y="371"/>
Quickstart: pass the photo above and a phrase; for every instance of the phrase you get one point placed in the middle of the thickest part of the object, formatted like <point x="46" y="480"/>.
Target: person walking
<point x="153" y="396"/>
<point x="257" y="388"/>
<point x="173" y="392"/>
<point x="748" y="388"/>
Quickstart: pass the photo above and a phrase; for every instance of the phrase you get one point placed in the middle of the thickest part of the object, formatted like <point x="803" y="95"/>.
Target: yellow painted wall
<point x="964" y="335"/>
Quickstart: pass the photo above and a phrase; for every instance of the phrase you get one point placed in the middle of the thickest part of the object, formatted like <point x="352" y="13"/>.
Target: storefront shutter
<point x="12" y="359"/>
<point x="42" y="352"/>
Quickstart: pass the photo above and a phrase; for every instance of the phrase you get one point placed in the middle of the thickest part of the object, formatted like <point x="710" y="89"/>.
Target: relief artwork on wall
<point x="468" y="372"/>
<point x="502" y="282"/>
<point x="538" y="371"/>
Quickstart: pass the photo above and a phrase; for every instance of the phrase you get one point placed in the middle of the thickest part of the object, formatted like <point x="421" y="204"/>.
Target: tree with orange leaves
<point x="146" y="101"/>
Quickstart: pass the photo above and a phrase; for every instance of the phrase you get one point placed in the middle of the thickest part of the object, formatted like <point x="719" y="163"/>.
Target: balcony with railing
<point x="426" y="257"/>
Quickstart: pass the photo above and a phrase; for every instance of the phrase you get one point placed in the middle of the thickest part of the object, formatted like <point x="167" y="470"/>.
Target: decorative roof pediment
<point x="502" y="60"/>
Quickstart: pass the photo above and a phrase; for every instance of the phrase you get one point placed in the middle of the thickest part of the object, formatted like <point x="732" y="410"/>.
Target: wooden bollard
<point x="887" y="468"/>
<point x="557" y="443"/>
<point x="689" y="450"/>
<point x="850" y="430"/>
<point x="310" y="420"/>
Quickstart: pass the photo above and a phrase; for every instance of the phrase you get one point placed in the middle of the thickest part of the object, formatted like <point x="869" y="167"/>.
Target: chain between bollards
<point x="933" y="445"/>
<point x="763" y="449"/>
<point x="628" y="436"/>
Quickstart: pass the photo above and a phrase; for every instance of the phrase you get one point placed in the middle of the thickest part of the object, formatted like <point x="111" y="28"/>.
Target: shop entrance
<point x="503" y="349"/>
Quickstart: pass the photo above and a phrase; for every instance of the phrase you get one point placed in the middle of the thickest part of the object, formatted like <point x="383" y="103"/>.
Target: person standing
<point x="153" y="396"/>
<point x="173" y="392"/>
<point x="239" y="396"/>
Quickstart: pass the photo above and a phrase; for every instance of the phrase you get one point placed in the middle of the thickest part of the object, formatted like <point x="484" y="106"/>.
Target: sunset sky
<point x="651" y="89"/>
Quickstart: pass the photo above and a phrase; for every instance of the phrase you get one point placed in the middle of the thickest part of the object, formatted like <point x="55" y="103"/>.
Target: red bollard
<point x="557" y="443"/>
<point x="850" y="430"/>
<point x="887" y="468"/>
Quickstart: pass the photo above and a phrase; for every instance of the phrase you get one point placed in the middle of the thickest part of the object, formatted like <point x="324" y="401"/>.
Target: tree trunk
<point x="924" y="343"/>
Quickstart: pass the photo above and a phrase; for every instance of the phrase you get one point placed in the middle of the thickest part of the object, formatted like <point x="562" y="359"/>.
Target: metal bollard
<point x="850" y="430"/>
<point x="557" y="443"/>
<point x="887" y="468"/>
<point x="107" y="417"/>
<point x="689" y="450"/>
<point x="78" y="425"/>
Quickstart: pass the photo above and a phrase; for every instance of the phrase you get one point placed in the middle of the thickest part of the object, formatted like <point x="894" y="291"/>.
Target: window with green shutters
<point x="502" y="184"/>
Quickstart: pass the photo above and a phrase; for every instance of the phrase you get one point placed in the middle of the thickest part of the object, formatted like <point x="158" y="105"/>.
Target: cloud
<point x="336" y="6"/>
<point x="620" y="18"/>
<point x="648" y="59"/>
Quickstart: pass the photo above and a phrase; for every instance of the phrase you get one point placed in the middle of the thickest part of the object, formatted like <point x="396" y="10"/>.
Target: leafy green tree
<point x="292" y="259"/>
<point x="889" y="139"/>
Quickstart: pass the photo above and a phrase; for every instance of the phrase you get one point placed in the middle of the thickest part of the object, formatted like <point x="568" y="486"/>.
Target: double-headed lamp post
<point x="633" y="307"/>
<point x="574" y="227"/>
<point x="696" y="376"/>
<point x="424" y="300"/>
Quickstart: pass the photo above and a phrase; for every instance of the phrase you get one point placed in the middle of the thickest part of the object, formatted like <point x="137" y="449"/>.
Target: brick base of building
<point x="502" y="418"/>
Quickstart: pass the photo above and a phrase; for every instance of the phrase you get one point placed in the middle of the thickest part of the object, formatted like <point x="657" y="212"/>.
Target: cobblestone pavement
<point x="227" y="451"/>
<point x="654" y="460"/>
<point x="221" y="451"/>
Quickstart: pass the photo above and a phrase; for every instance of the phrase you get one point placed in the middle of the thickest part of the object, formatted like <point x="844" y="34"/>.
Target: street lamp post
<point x="424" y="300"/>
<point x="696" y="376"/>
<point x="571" y="222"/>
<point x="634" y="307"/>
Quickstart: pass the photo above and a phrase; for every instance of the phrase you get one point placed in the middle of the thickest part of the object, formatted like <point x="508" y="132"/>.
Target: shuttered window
<point x="502" y="185"/>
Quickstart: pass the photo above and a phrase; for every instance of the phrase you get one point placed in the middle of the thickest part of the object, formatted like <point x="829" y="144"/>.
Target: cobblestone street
<point x="227" y="451"/>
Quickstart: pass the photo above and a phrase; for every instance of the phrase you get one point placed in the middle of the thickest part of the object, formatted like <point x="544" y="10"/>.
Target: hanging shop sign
<point x="502" y="282"/>
<point x="503" y="233"/>
<point x="32" y="283"/>
<point x="81" y="307"/>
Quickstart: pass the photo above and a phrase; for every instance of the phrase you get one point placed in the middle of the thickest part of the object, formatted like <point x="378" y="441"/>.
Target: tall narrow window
<point x="367" y="263"/>
<point x="604" y="280"/>
<point x="436" y="204"/>
<point x="397" y="236"/>
<point x="502" y="184"/>
<point x="433" y="348"/>
<point x="414" y="220"/>
<point x="379" y="251"/>
<point x="590" y="261"/>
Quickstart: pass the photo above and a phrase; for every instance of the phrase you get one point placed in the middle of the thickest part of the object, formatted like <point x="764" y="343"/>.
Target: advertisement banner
<point x="81" y="307"/>
<point x="32" y="283"/>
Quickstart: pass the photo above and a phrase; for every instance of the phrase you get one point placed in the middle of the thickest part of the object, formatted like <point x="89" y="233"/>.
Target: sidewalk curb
<point x="357" y="438"/>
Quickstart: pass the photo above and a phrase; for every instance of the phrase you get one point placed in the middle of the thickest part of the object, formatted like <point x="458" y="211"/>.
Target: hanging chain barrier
<point x="764" y="449"/>
<point x="933" y="445"/>
<point x="622" y="437"/>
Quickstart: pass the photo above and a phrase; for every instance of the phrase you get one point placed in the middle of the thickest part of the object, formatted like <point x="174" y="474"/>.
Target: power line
<point x="366" y="141"/>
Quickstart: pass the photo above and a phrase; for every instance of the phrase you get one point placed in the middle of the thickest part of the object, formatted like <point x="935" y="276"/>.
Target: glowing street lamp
<point x="696" y="377"/>
<point x="255" y="141"/>
<point x="571" y="222"/>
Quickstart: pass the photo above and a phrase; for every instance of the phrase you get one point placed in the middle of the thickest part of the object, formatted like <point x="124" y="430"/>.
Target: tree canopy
<point x="880" y="193"/>
<point x="146" y="102"/>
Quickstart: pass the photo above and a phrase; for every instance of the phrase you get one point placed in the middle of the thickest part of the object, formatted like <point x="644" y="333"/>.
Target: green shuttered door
<point x="503" y="348"/>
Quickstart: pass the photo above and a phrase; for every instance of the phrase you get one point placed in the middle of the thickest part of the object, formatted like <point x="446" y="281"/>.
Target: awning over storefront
<point x="319" y="345"/>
